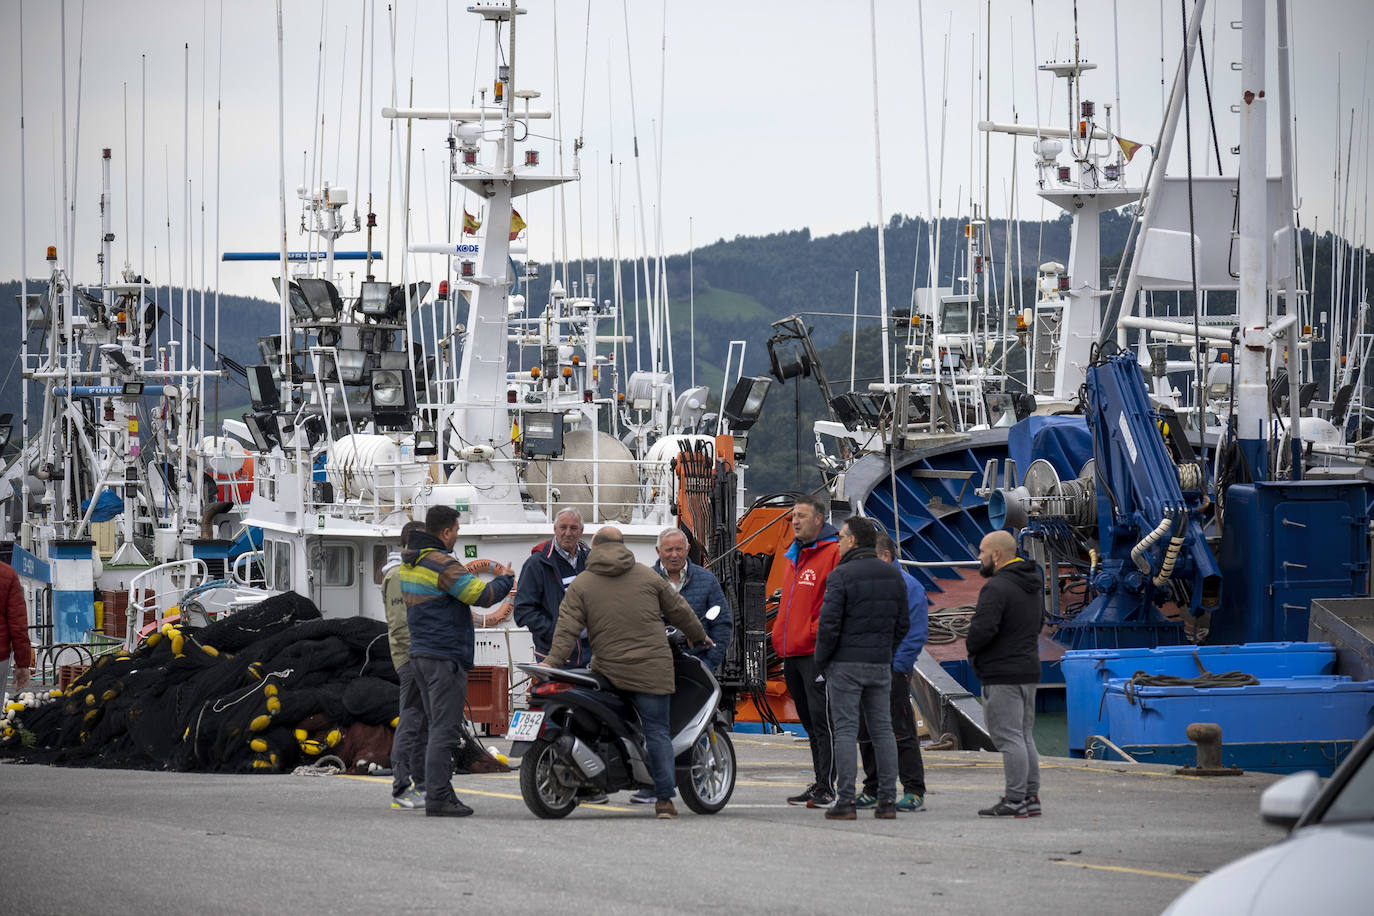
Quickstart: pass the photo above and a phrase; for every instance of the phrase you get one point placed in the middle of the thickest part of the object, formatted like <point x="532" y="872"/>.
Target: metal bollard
<point x="1207" y="737"/>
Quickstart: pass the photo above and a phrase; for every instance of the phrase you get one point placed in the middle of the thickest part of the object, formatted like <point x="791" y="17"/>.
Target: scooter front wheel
<point x="706" y="772"/>
<point x="544" y="793"/>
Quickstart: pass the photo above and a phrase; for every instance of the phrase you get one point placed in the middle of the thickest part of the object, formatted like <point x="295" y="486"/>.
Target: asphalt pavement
<point x="1117" y="838"/>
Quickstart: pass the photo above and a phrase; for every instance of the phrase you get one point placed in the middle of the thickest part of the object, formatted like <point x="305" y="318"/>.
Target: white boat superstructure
<point x="378" y="402"/>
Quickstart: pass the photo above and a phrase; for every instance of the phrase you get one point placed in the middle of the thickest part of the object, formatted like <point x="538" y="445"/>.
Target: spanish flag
<point x="516" y="223"/>
<point x="470" y="224"/>
<point x="1128" y="147"/>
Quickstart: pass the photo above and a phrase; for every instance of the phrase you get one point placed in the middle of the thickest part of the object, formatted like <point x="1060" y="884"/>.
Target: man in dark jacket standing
<point x="622" y="605"/>
<point x="911" y="770"/>
<point x="809" y="561"/>
<point x="700" y="588"/>
<point x="1003" y="648"/>
<point x="439" y="592"/>
<point x="544" y="579"/>
<point x="863" y="619"/>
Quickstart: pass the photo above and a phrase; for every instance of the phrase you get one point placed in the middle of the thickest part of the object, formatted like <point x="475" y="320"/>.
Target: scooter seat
<point x="602" y="682"/>
<point x="615" y="698"/>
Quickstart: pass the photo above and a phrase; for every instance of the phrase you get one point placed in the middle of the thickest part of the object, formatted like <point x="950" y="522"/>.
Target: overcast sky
<point x="765" y="110"/>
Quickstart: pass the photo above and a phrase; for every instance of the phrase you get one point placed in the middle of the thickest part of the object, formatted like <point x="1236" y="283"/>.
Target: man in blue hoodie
<point x="910" y="769"/>
<point x="439" y="592"/>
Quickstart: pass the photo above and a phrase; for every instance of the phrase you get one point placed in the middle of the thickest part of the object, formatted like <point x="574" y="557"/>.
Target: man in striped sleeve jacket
<point x="439" y="592"/>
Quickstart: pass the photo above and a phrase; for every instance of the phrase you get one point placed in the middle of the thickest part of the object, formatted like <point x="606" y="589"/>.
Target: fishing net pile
<point x="265" y="690"/>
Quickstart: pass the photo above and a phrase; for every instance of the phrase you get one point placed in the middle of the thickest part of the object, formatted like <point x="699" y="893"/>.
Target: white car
<point x="1326" y="865"/>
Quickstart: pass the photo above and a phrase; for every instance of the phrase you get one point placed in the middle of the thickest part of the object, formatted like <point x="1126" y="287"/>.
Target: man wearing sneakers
<point x="1003" y="648"/>
<point x="910" y="769"/>
<point x="810" y="559"/>
<point x="863" y="618"/>
<point x="412" y="728"/>
<point x="15" y="647"/>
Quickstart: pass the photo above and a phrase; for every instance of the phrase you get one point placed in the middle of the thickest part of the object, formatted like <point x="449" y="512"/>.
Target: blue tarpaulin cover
<point x="1062" y="441"/>
<point x="108" y="505"/>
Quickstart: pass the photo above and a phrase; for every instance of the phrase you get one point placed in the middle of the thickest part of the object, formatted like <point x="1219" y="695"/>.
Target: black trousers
<point x="808" y="695"/>
<point x="911" y="772"/>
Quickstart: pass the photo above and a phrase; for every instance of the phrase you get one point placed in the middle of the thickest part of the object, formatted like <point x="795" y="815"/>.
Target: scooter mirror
<point x="714" y="612"/>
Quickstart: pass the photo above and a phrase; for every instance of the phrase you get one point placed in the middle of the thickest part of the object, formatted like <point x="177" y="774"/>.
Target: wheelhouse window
<point x="379" y="554"/>
<point x="335" y="565"/>
<point x="281" y="564"/>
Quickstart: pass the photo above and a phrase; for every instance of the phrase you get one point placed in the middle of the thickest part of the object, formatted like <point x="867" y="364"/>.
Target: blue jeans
<point x="855" y="689"/>
<point x="653" y="719"/>
<point x="443" y="686"/>
<point x="412" y="734"/>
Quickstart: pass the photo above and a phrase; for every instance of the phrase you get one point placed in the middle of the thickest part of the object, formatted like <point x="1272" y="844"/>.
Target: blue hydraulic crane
<point x="1151" y="542"/>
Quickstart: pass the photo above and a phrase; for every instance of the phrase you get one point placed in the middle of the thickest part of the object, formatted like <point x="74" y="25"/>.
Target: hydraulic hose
<point x="1166" y="571"/>
<point x="1138" y="551"/>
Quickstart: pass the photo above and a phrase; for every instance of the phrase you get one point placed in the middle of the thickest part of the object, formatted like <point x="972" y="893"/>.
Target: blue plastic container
<point x="1087" y="671"/>
<point x="1279" y="711"/>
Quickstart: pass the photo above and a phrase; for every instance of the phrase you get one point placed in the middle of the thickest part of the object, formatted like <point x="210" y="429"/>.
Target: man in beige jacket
<point x="623" y="604"/>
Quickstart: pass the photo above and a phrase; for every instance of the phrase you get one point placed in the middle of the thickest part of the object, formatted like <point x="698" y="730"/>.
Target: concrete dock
<point x="1119" y="838"/>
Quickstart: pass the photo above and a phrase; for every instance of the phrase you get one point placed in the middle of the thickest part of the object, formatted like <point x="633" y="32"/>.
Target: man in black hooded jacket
<point x="1003" y="648"/>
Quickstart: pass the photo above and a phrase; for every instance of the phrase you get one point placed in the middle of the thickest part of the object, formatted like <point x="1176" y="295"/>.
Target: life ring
<point x="489" y="618"/>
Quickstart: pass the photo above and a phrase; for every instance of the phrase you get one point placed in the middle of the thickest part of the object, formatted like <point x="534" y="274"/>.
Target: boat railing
<point x="249" y="570"/>
<point x="154" y="592"/>
<point x="384" y="488"/>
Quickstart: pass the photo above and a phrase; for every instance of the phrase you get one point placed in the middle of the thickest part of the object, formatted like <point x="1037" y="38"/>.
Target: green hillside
<point x="742" y="285"/>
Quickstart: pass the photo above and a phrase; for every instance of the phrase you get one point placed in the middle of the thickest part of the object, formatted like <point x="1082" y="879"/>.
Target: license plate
<point x="524" y="725"/>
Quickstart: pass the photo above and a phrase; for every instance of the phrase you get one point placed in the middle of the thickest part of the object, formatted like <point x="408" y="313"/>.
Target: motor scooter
<point x="582" y="738"/>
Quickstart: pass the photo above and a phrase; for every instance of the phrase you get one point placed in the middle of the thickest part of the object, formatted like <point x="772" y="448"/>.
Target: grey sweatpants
<point x="1010" y="713"/>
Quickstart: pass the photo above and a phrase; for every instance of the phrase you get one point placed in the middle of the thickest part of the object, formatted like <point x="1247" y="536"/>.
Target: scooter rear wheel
<point x="544" y="794"/>
<point x="706" y="772"/>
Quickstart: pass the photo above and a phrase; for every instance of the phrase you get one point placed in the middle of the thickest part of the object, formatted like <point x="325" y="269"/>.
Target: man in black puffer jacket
<point x="863" y="619"/>
<point x="1003" y="648"/>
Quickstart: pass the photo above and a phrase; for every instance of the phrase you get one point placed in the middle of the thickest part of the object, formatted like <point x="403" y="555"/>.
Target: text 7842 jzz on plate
<point x="524" y="725"/>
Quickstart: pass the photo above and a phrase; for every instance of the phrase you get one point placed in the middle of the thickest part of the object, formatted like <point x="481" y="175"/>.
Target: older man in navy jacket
<point x="544" y="579"/>
<point x="700" y="588"/>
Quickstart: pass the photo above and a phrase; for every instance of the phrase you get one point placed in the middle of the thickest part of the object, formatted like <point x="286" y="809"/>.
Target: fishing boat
<point x="1164" y="511"/>
<point x="379" y="400"/>
<point x="111" y="477"/>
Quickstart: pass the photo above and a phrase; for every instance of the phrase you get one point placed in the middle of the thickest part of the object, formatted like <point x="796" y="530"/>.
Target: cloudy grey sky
<point x="764" y="109"/>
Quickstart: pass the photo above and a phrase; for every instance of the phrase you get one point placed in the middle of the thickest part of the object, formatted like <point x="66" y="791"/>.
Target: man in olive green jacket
<point x="623" y="604"/>
<point x="412" y="728"/>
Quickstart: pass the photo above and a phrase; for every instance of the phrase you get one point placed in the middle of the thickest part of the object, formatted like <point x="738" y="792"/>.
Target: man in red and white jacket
<point x="810" y="559"/>
<point x="15" y="647"/>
